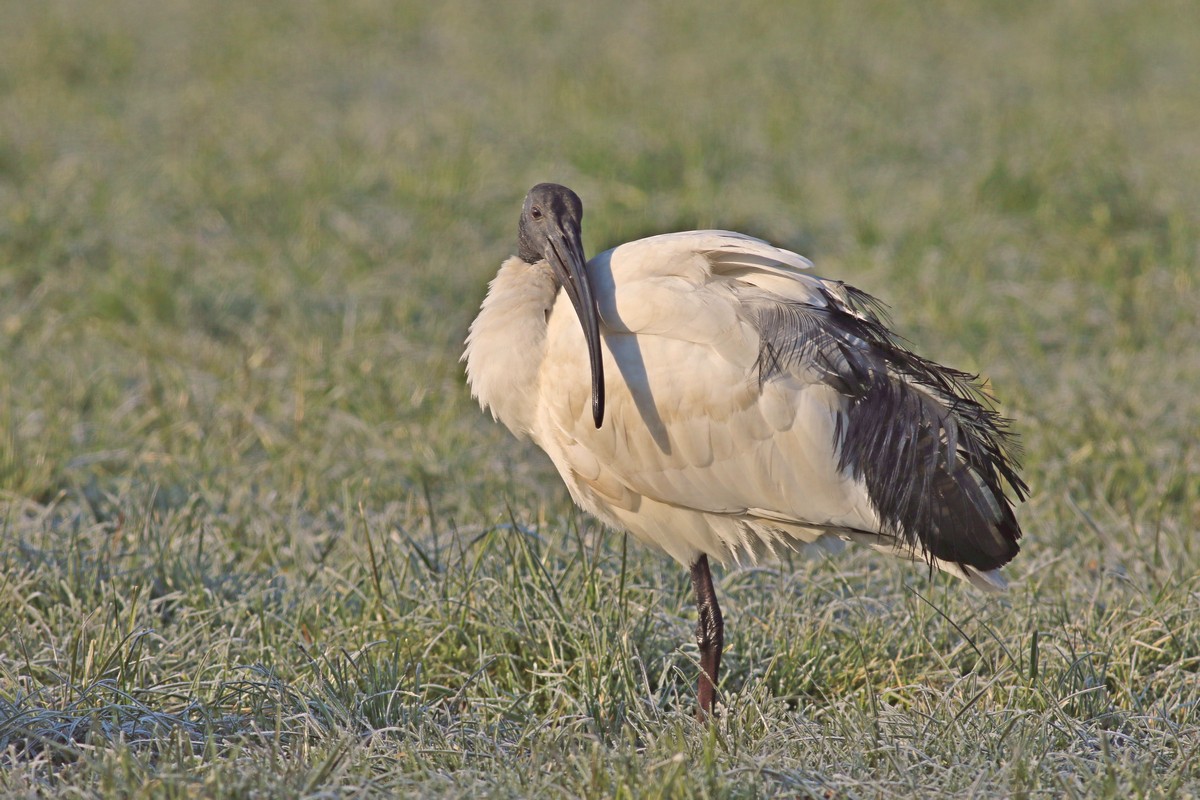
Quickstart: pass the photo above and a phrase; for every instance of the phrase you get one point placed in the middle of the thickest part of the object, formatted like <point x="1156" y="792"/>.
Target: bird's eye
<point x="535" y="212"/>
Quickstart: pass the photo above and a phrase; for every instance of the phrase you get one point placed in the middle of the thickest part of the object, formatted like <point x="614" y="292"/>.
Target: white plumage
<point x="732" y="384"/>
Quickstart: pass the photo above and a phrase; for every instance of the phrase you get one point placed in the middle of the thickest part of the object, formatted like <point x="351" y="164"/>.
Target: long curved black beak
<point x="564" y="251"/>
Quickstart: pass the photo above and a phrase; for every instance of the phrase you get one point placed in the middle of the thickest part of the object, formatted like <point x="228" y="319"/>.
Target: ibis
<point x="706" y="393"/>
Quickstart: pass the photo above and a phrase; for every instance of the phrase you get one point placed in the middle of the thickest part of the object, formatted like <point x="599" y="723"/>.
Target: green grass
<point x="255" y="539"/>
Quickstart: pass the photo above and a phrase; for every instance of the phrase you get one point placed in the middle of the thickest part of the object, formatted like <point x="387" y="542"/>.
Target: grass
<point x="256" y="540"/>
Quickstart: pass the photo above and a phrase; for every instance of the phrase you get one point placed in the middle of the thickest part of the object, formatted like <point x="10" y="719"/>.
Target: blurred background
<point x="240" y="245"/>
<point x="251" y="236"/>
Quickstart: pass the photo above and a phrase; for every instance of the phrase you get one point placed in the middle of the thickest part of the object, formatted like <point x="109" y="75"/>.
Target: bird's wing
<point x="740" y="384"/>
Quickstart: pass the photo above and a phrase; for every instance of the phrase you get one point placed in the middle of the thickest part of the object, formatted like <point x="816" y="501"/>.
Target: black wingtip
<point x="925" y="439"/>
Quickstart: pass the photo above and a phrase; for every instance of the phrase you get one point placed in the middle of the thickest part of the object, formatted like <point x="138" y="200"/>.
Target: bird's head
<point x="549" y="231"/>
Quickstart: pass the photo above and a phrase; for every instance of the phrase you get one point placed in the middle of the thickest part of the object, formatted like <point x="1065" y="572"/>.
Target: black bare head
<point x="550" y="230"/>
<point x="546" y="205"/>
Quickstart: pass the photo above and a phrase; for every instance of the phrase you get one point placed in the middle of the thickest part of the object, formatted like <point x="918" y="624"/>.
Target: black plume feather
<point x="935" y="455"/>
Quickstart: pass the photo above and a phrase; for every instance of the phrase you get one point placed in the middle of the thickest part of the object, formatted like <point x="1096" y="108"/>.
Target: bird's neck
<point x="507" y="342"/>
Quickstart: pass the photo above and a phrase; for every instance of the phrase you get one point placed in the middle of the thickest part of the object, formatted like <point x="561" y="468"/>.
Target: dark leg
<point x="710" y="635"/>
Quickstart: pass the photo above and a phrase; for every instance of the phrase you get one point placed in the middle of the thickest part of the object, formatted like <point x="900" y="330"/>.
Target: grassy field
<point x="258" y="541"/>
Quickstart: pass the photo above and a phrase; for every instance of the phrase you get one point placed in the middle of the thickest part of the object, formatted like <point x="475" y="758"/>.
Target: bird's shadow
<point x="626" y="352"/>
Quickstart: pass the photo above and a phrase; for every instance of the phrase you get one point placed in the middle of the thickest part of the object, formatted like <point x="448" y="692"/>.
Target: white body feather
<point x="696" y="455"/>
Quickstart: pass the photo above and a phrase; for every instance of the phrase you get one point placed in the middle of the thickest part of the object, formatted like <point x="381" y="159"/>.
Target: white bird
<point x="713" y="398"/>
